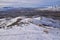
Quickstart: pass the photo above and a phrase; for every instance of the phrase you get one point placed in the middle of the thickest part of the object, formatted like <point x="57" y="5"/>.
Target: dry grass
<point x="47" y="27"/>
<point x="46" y="31"/>
<point x="40" y="25"/>
<point x="15" y="23"/>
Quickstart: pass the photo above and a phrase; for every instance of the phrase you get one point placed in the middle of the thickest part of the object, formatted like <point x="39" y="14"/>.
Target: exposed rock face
<point x="11" y="22"/>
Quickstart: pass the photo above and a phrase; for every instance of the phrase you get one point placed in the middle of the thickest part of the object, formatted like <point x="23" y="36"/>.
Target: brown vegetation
<point x="46" y="31"/>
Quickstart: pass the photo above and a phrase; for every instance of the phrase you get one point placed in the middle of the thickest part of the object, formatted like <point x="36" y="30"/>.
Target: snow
<point x="47" y="21"/>
<point x="30" y="31"/>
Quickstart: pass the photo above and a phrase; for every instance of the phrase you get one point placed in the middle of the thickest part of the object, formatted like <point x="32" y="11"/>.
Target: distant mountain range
<point x="50" y="8"/>
<point x="13" y="8"/>
<point x="29" y="9"/>
<point x="5" y="8"/>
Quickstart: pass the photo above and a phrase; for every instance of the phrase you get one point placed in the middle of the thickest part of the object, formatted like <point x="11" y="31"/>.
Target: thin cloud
<point x="27" y="3"/>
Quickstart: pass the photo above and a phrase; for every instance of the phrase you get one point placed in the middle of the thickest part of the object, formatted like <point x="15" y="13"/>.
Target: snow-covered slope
<point x="31" y="31"/>
<point x="47" y="22"/>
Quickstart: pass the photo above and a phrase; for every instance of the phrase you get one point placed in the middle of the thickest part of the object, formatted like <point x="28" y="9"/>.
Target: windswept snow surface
<point x="30" y="31"/>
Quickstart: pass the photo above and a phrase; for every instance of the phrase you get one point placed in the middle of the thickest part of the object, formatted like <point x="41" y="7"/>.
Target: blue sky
<point x="28" y="3"/>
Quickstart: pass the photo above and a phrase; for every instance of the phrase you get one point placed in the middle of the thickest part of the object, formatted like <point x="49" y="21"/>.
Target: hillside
<point x="26" y="29"/>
